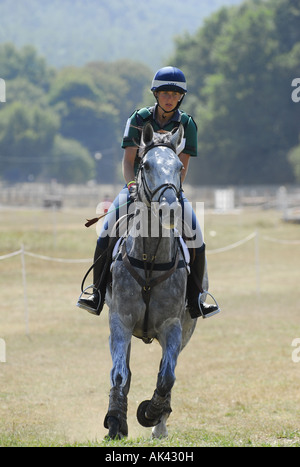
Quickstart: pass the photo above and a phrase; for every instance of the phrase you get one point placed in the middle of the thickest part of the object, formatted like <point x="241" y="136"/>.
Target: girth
<point x="148" y="282"/>
<point x="142" y="264"/>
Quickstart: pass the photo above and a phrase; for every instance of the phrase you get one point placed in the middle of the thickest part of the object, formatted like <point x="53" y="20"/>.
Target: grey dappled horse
<point x="149" y="277"/>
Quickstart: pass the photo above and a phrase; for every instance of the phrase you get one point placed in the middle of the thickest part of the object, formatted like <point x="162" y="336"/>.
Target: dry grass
<point x="236" y="381"/>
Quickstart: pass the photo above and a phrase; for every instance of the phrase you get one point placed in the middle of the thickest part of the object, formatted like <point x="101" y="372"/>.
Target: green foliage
<point x="24" y="63"/>
<point x="294" y="158"/>
<point x="77" y="32"/>
<point x="82" y="107"/>
<point x="71" y="162"/>
<point x="54" y="122"/>
<point x="26" y="138"/>
<point x="242" y="63"/>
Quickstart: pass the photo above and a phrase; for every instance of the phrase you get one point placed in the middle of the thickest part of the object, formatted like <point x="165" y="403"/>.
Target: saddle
<point x="116" y="251"/>
<point x="113" y="252"/>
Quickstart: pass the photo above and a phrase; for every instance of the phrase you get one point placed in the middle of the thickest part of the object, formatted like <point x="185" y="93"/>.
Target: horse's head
<point x="159" y="177"/>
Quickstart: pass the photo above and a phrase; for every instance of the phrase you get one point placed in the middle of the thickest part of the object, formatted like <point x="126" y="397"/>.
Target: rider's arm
<point x="185" y="159"/>
<point x="128" y="163"/>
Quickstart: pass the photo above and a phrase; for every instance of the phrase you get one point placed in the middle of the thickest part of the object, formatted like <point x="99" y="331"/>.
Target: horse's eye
<point x="146" y="165"/>
<point x="180" y="167"/>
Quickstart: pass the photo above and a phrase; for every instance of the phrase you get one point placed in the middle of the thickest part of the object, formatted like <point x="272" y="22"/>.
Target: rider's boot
<point x="195" y="307"/>
<point x="94" y="302"/>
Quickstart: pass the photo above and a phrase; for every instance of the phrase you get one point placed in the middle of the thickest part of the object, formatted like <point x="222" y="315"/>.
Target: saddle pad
<point x="185" y="251"/>
<point x="116" y="248"/>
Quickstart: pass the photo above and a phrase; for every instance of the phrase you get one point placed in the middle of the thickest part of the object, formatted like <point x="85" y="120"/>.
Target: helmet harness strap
<point x="168" y="111"/>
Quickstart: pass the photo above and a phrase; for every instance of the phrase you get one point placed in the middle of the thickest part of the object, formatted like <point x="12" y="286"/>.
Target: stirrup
<point x="216" y="303"/>
<point x="84" y="306"/>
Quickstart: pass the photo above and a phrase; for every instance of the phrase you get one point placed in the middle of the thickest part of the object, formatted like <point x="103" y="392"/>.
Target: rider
<point x="169" y="88"/>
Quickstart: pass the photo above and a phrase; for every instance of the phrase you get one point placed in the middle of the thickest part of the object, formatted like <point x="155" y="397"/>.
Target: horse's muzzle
<point x="169" y="209"/>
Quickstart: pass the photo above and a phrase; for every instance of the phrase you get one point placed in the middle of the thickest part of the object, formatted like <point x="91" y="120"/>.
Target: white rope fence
<point x="217" y="250"/>
<point x="24" y="253"/>
<point x="56" y="260"/>
<point x="45" y="258"/>
<point x="283" y="242"/>
<point x="10" y="255"/>
<point x="233" y="245"/>
<point x="253" y="235"/>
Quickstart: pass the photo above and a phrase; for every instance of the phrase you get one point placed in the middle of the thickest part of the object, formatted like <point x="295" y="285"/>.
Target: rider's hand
<point x="132" y="187"/>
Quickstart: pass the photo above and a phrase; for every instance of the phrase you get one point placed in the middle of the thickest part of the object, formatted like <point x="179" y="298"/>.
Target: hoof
<point x="113" y="429"/>
<point x="142" y="418"/>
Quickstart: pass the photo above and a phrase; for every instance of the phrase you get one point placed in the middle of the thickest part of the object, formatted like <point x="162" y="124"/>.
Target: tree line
<point x="242" y="68"/>
<point x="241" y="65"/>
<point x="64" y="124"/>
<point x="88" y="30"/>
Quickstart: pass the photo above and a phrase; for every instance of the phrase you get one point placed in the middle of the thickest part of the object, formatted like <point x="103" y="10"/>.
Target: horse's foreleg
<point x="120" y="342"/>
<point x="170" y="340"/>
<point x="156" y="411"/>
<point x="160" y="430"/>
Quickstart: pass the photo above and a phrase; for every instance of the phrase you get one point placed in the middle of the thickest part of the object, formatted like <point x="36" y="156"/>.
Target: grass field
<point x="237" y="384"/>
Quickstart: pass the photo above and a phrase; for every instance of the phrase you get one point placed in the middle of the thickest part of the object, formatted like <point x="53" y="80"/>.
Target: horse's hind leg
<point x="116" y="418"/>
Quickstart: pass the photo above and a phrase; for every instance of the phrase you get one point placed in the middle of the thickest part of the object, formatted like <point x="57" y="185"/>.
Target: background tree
<point x="241" y="92"/>
<point x="240" y="65"/>
<point x="26" y="139"/>
<point x="80" y="110"/>
<point x="94" y="103"/>
<point x="71" y="162"/>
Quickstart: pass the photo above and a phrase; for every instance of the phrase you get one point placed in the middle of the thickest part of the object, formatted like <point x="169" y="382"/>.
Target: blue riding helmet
<point x="169" y="78"/>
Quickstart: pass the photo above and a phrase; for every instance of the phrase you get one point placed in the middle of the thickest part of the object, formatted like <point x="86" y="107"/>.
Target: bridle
<point x="149" y="194"/>
<point x="148" y="281"/>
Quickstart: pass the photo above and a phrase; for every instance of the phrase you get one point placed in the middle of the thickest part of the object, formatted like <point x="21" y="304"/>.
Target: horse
<point x="147" y="294"/>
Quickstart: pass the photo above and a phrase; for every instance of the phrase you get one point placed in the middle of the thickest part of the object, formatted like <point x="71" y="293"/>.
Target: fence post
<point x="257" y="264"/>
<point x="2" y="90"/>
<point x="2" y="351"/>
<point x="26" y="313"/>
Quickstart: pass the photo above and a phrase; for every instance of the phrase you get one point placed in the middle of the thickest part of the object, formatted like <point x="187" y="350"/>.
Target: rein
<point x="148" y="282"/>
<point x="150" y="194"/>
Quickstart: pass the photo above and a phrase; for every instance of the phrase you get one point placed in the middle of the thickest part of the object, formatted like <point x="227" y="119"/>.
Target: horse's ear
<point x="176" y="138"/>
<point x="147" y="135"/>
